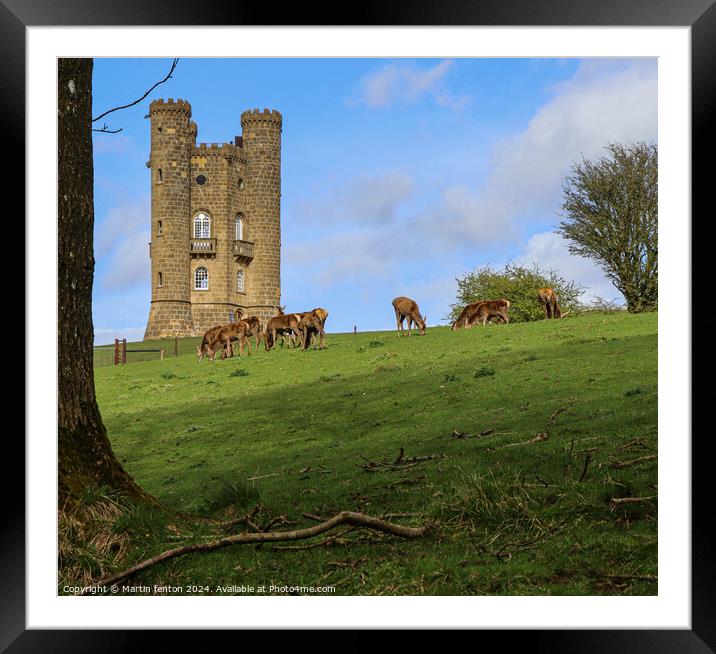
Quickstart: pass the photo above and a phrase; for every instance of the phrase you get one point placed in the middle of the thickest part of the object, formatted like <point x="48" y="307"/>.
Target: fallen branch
<point x="544" y="434"/>
<point x="401" y="463"/>
<point x="634" y="442"/>
<point x="344" y="517"/>
<point x="633" y="462"/>
<point x="273" y="474"/>
<point x="485" y="432"/>
<point x="331" y="540"/>
<point x="587" y="459"/>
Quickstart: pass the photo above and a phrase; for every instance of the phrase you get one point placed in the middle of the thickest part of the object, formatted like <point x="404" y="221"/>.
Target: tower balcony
<point x="202" y="246"/>
<point x="243" y="250"/>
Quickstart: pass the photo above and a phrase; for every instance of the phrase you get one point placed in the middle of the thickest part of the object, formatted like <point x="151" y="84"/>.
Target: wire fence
<point x="121" y="352"/>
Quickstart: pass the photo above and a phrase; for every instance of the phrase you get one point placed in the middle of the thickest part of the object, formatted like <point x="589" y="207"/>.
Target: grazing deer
<point x="236" y="331"/>
<point x="283" y="324"/>
<point x="407" y="309"/>
<point x="311" y="323"/>
<point x="465" y="316"/>
<point x="548" y="299"/>
<point x="488" y="310"/>
<point x="208" y="343"/>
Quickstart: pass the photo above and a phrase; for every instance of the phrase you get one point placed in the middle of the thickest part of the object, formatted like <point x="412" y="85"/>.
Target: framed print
<point x="244" y="428"/>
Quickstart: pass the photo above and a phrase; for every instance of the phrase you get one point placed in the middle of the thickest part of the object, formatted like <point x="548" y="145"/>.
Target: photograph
<point x="358" y="326"/>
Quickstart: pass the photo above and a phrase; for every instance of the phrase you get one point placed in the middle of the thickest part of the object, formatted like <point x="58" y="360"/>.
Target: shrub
<point x="515" y="283"/>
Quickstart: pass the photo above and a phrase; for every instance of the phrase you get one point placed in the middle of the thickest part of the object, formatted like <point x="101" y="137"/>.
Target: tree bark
<point x="85" y="455"/>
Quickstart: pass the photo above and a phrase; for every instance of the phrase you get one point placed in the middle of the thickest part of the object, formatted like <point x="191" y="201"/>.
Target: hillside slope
<point x="517" y="512"/>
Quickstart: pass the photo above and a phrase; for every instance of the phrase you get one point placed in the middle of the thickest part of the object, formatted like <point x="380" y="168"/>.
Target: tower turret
<point x="262" y="200"/>
<point x="173" y="135"/>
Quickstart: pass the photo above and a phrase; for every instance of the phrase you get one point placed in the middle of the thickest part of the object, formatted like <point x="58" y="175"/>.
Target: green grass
<point x="512" y="517"/>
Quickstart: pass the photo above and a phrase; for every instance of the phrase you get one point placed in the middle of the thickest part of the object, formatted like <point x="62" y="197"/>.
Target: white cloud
<point x="407" y="83"/>
<point x="604" y="102"/>
<point x="121" y="246"/>
<point x="129" y="263"/>
<point x="373" y="199"/>
<point x="118" y="224"/>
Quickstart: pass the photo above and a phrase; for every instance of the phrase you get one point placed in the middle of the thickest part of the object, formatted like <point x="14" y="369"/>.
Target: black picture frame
<point x="699" y="15"/>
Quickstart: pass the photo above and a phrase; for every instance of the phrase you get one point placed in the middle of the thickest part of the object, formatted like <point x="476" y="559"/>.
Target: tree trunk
<point x="85" y="455"/>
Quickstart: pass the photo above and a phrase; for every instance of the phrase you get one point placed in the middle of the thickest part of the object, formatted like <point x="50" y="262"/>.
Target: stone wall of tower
<point x="261" y="198"/>
<point x="172" y="140"/>
<point x="217" y="197"/>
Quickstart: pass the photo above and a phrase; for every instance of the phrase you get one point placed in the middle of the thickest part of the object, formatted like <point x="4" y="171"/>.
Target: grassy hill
<point x="292" y="432"/>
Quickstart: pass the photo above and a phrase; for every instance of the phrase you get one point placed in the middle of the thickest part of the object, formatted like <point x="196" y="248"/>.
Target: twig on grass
<point x="273" y="474"/>
<point x="312" y="516"/>
<point x="587" y="460"/>
<point x="344" y="517"/>
<point x="626" y="464"/>
<point x="544" y="534"/>
<point x="401" y="463"/>
<point x="544" y="434"/>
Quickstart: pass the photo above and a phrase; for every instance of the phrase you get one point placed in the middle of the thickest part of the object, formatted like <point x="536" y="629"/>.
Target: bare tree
<point x="611" y="216"/>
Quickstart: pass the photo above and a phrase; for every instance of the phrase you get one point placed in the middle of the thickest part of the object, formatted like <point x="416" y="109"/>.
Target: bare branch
<point x="106" y="130"/>
<point x="131" y="104"/>
<point x="344" y="517"/>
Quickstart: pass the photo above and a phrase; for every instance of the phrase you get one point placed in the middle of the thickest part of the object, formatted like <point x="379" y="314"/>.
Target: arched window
<point x="201" y="279"/>
<point x="202" y="226"/>
<point x="239" y="228"/>
<point x="240" y="281"/>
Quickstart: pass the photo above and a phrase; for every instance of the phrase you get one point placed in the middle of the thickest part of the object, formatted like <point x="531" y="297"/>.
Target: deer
<point x="236" y="331"/>
<point x="284" y="323"/>
<point x="548" y="299"/>
<point x="208" y="343"/>
<point x="465" y="315"/>
<point x="487" y="310"/>
<point x="311" y="323"/>
<point x="407" y="309"/>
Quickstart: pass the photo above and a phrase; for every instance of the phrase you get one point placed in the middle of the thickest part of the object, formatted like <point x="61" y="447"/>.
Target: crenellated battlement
<point x="258" y="116"/>
<point x="219" y="149"/>
<point x="181" y="106"/>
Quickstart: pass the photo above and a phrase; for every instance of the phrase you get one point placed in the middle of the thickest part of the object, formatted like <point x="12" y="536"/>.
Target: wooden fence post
<point x="124" y="351"/>
<point x="116" y="351"/>
<point x="161" y="354"/>
<point x="176" y="346"/>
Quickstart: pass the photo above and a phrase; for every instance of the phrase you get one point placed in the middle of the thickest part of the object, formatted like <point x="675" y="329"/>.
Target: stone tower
<point x="216" y="222"/>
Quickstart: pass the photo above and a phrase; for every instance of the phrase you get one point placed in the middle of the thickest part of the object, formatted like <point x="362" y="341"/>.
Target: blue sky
<point x="397" y="175"/>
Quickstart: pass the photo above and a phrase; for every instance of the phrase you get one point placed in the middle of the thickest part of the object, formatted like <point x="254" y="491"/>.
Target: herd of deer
<point x="292" y="326"/>
<point x="474" y="313"/>
<point x="302" y="327"/>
